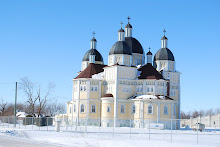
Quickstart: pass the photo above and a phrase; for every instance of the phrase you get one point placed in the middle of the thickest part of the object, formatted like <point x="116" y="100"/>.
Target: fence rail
<point x="132" y="127"/>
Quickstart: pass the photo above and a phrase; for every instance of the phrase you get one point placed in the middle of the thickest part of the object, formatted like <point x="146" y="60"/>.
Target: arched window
<point x="74" y="108"/>
<point x="82" y="108"/>
<point x="150" y="109"/>
<point x="109" y="109"/>
<point x="133" y="109"/>
<point x="148" y="89"/>
<point x="152" y="89"/>
<point x="93" y="108"/>
<point x="81" y="88"/>
<point x="122" y="108"/>
<point x="174" y="109"/>
<point x="84" y="88"/>
<point x="165" y="110"/>
<point x="70" y="109"/>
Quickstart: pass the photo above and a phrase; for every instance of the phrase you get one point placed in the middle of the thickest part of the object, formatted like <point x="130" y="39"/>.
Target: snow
<point x="149" y="97"/>
<point x="104" y="137"/>
<point x="99" y="76"/>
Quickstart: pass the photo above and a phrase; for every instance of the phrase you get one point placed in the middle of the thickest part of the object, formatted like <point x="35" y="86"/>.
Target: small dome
<point x="93" y="39"/>
<point x="164" y="38"/>
<point x="128" y="26"/>
<point x="164" y="54"/>
<point x="98" y="56"/>
<point x="149" y="53"/>
<point x="120" y="47"/>
<point x="121" y="30"/>
<point x="134" y="44"/>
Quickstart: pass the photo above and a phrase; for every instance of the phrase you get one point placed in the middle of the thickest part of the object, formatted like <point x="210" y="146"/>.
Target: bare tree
<point x="201" y="113"/>
<point x="3" y="107"/>
<point x="35" y="98"/>
<point x="209" y="112"/>
<point x="54" y="107"/>
<point x="195" y="114"/>
<point x="43" y="99"/>
<point x="28" y="87"/>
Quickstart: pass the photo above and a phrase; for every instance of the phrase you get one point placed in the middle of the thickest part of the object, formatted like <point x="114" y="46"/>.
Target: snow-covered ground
<point x="104" y="137"/>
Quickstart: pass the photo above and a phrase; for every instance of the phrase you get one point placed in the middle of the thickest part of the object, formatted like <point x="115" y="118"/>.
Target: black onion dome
<point x="98" y="56"/>
<point x="128" y="26"/>
<point x="134" y="44"/>
<point x="93" y="39"/>
<point x="120" y="47"/>
<point x="149" y="53"/>
<point x="164" y="38"/>
<point x="164" y="54"/>
<point x="121" y="30"/>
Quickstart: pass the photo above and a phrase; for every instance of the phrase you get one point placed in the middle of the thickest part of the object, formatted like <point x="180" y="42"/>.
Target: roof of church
<point x="149" y="72"/>
<point x="128" y="26"/>
<point x="90" y="70"/>
<point x="98" y="56"/>
<point x="164" y="37"/>
<point x="108" y="95"/>
<point x="164" y="54"/>
<point x="134" y="44"/>
<point x="120" y="47"/>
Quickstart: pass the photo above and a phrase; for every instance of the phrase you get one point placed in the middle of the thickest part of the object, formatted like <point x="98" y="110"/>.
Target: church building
<point x="127" y="90"/>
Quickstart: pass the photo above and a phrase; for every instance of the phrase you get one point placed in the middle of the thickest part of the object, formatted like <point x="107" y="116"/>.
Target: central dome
<point x="164" y="54"/>
<point x="98" y="56"/>
<point x="120" y="47"/>
<point x="134" y="44"/>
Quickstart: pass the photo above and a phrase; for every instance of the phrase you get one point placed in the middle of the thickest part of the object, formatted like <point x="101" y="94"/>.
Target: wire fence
<point x="152" y="129"/>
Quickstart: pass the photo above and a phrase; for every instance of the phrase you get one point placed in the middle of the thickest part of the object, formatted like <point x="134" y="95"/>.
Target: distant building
<point x="127" y="89"/>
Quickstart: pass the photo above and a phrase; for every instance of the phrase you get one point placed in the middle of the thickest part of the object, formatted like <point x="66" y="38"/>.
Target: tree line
<point x="199" y="113"/>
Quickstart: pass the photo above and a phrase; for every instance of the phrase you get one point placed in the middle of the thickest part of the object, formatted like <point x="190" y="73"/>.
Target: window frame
<point x="122" y="109"/>
<point x="83" y="108"/>
<point x="92" y="108"/>
<point x="165" y="106"/>
<point x="109" y="108"/>
<point x="152" y="109"/>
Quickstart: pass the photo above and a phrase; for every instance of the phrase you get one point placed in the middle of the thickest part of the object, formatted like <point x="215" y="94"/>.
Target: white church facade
<point x="127" y="90"/>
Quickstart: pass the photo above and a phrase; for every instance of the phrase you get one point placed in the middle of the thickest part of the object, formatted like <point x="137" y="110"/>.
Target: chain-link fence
<point x="150" y="128"/>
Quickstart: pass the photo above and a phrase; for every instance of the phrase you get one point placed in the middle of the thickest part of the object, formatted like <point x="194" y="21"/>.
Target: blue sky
<point x="46" y="41"/>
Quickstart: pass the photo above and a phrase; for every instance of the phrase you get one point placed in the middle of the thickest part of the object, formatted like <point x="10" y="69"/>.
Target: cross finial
<point x="149" y="48"/>
<point x="164" y="31"/>
<point x="93" y="33"/>
<point x="128" y="19"/>
<point x="121" y="24"/>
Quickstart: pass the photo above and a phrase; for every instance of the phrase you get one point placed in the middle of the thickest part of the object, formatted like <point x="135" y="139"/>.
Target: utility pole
<point x="16" y="88"/>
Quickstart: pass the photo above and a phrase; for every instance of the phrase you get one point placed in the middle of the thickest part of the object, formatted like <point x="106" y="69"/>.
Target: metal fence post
<point x="197" y="132"/>
<point x="99" y="124"/>
<point x="3" y="121"/>
<point x="76" y="125"/>
<point x="130" y="128"/>
<point x="149" y="128"/>
<point x="171" y="127"/>
<point x="32" y="122"/>
<point x="113" y="131"/>
<point x="8" y="121"/>
<point x="39" y="118"/>
<point x="47" y="123"/>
